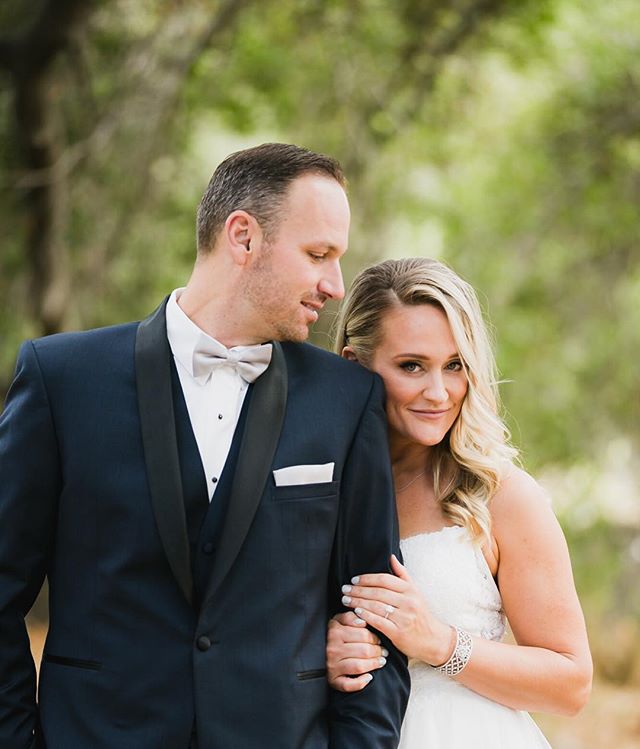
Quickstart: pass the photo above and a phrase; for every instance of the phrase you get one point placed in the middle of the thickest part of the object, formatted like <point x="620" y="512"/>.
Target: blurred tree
<point x="29" y="55"/>
<point x="91" y="102"/>
<point x="540" y="213"/>
<point x="498" y="135"/>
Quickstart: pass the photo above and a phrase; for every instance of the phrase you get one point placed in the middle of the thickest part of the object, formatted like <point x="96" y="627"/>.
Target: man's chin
<point x="298" y="334"/>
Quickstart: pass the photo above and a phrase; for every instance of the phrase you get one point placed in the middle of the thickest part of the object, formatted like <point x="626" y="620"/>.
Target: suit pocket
<point x="60" y="660"/>
<point x="317" y="673"/>
<point x="326" y="490"/>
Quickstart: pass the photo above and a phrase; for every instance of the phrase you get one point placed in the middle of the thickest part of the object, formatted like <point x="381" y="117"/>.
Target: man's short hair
<point x="256" y="180"/>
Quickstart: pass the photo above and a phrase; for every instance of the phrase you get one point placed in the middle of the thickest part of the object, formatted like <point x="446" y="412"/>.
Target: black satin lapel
<point x="259" y="443"/>
<point x="155" y="401"/>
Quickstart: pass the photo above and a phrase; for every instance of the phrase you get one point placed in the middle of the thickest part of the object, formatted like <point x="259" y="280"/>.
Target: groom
<point x="196" y="488"/>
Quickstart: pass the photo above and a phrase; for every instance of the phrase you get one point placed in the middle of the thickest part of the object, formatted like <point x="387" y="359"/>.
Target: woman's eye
<point x="454" y="366"/>
<point x="410" y="366"/>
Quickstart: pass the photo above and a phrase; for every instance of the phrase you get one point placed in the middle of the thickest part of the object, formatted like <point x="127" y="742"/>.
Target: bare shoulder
<point x="519" y="494"/>
<point x="521" y="510"/>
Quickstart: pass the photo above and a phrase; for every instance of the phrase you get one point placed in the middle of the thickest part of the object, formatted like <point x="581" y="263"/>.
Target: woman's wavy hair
<point x="468" y="463"/>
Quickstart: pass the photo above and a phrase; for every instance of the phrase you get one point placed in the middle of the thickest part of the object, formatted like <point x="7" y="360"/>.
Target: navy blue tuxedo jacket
<point x="139" y="653"/>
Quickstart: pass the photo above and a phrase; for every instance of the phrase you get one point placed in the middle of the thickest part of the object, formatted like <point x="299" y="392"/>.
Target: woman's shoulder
<point x="521" y="510"/>
<point x="518" y="491"/>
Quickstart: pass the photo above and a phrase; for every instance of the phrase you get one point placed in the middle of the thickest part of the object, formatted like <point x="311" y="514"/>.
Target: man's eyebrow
<point x="324" y="245"/>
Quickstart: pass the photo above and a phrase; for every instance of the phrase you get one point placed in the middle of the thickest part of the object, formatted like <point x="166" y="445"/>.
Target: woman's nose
<point x="434" y="389"/>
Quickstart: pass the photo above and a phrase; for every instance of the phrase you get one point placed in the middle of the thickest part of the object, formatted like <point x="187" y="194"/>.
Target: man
<point x="197" y="496"/>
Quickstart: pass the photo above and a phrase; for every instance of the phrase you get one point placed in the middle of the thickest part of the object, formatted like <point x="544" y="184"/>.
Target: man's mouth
<point x="314" y="308"/>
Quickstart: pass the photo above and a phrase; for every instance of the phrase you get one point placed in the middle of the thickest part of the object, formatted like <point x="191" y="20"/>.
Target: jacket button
<point x="203" y="643"/>
<point x="208" y="547"/>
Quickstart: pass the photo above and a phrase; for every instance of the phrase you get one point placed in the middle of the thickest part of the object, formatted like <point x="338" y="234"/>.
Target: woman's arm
<point x="550" y="667"/>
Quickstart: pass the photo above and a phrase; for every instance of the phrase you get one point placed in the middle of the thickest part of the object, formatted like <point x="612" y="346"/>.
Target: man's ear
<point x="349" y="353"/>
<point x="243" y="236"/>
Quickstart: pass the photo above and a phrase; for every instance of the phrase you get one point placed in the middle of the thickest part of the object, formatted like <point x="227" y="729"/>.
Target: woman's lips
<point x="431" y="415"/>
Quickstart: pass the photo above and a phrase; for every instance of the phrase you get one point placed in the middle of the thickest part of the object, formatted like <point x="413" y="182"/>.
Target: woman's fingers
<point x="348" y="619"/>
<point x="358" y="635"/>
<point x="350" y="683"/>
<point x="351" y="650"/>
<point x="358" y="596"/>
<point x="341" y="630"/>
<point x="380" y="607"/>
<point x="399" y="569"/>
<point x="382" y="623"/>
<point x="380" y="580"/>
<point x="354" y="666"/>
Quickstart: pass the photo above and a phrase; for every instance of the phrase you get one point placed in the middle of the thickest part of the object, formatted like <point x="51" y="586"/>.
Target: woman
<point x="479" y="538"/>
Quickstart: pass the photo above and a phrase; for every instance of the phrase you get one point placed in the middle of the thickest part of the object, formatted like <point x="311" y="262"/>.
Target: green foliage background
<point x="501" y="137"/>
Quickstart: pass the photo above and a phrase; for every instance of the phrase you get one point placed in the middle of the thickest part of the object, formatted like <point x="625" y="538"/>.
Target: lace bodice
<point x="455" y="579"/>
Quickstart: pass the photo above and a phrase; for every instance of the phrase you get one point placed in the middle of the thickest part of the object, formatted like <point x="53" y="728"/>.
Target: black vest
<point x="204" y="519"/>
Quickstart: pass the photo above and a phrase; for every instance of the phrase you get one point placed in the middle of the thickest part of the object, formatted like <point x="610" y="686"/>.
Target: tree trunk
<point x="30" y="59"/>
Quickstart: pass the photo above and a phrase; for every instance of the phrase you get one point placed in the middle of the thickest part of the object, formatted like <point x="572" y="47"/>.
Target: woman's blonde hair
<point x="468" y="463"/>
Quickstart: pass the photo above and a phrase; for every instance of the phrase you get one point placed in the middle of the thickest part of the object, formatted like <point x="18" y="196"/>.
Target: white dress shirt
<point x="214" y="401"/>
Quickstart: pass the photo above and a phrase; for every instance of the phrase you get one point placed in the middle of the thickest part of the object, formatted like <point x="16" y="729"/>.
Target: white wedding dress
<point x="442" y="713"/>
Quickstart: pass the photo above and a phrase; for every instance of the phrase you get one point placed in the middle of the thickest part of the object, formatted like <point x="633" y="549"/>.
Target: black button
<point x="208" y="547"/>
<point x="219" y="416"/>
<point x="215" y="479"/>
<point x="203" y="643"/>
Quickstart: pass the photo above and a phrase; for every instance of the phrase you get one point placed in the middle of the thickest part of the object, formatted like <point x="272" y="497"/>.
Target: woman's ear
<point x="349" y="353"/>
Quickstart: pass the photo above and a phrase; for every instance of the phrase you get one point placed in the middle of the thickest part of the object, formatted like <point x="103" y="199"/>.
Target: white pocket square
<point x="310" y="474"/>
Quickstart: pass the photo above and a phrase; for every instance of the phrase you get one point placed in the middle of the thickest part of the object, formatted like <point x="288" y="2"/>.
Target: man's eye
<point x="315" y="256"/>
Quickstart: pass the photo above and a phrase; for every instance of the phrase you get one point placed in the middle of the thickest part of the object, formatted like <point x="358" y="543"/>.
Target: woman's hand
<point x="352" y="652"/>
<point x="393" y="605"/>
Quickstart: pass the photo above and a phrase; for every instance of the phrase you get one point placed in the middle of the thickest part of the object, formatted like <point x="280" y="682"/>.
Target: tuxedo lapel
<point x="155" y="402"/>
<point x="258" y="446"/>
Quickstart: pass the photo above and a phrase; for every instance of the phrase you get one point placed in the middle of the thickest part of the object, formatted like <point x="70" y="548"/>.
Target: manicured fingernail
<point x="360" y="621"/>
<point x="382" y="661"/>
<point x="359" y="612"/>
<point x="355" y="580"/>
<point x="385" y="652"/>
<point x="346" y="589"/>
<point x="346" y="600"/>
<point x="368" y="677"/>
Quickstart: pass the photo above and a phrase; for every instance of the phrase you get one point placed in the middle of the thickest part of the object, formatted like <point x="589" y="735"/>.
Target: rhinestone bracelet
<point x="460" y="656"/>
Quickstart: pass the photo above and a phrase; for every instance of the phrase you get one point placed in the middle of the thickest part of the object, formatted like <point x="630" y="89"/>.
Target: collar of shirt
<point x="185" y="336"/>
<point x="182" y="332"/>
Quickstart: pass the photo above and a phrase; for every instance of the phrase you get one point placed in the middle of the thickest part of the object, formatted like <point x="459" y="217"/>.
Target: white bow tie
<point x="248" y="361"/>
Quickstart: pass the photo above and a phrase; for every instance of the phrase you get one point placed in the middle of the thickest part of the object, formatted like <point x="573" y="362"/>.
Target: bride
<point x="480" y="541"/>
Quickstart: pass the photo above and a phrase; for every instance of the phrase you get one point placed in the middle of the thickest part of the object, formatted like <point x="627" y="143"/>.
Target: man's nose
<point x="332" y="283"/>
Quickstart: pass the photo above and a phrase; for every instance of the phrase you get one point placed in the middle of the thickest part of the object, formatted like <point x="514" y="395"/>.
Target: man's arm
<point x="29" y="488"/>
<point x="367" y="536"/>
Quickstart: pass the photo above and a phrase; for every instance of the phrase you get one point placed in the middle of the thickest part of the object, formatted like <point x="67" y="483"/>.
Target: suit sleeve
<point x="367" y="536"/>
<point x="29" y="489"/>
